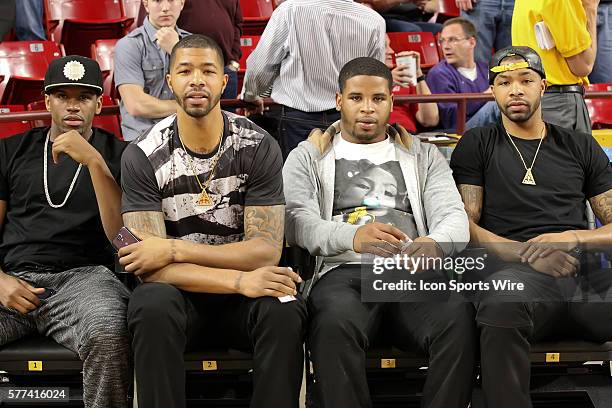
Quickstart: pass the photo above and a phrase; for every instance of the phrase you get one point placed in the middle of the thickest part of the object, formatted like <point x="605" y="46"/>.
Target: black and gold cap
<point x="73" y="70"/>
<point x="531" y="61"/>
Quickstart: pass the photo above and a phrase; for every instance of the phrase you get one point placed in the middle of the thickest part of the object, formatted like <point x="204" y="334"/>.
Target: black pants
<point x="294" y="126"/>
<point x="510" y="321"/>
<point x="342" y="327"/>
<point x="165" y="322"/>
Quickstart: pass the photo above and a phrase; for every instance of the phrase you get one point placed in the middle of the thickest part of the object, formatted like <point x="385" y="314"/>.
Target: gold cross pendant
<point x="204" y="200"/>
<point x="528" y="179"/>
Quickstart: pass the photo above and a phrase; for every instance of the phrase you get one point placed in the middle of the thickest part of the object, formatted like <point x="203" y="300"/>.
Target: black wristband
<point x="420" y="78"/>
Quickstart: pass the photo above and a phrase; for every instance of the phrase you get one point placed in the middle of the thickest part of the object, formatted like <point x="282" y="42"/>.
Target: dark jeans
<point x="342" y="327"/>
<point x="294" y="126"/>
<point x="165" y="322"/>
<point x="510" y="322"/>
<point x="231" y="90"/>
<point x="395" y="25"/>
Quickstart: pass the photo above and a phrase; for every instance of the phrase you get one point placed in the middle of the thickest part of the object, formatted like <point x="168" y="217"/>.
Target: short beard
<point x="520" y="117"/>
<point x="198" y="113"/>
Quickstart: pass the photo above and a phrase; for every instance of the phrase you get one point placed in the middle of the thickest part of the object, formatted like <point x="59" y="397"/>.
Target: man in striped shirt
<point x="300" y="54"/>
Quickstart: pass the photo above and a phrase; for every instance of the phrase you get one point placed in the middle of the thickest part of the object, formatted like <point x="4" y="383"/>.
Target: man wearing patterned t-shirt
<point x="361" y="183"/>
<point x="203" y="189"/>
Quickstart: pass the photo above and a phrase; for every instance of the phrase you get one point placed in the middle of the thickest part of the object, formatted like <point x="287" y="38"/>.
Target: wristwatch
<point x="420" y="78"/>
<point x="235" y="65"/>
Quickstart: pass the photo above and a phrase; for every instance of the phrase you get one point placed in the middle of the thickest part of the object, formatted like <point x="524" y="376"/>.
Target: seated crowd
<point x="211" y="198"/>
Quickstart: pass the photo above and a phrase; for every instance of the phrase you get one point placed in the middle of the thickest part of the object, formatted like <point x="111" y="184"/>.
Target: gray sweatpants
<point x="86" y="315"/>
<point x="567" y="110"/>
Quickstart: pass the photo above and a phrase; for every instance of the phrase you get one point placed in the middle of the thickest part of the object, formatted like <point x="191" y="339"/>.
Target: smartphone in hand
<point x="124" y="238"/>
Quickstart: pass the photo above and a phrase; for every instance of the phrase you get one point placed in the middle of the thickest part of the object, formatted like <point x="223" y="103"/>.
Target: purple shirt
<point x="444" y="78"/>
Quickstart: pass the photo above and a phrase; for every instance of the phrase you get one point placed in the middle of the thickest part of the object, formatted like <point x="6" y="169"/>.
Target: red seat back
<point x="423" y="43"/>
<point x="131" y="8"/>
<point x="600" y="110"/>
<point x="103" y="51"/>
<point x="12" y="128"/>
<point x="448" y="8"/>
<point x="79" y="23"/>
<point x="23" y="65"/>
<point x="256" y="14"/>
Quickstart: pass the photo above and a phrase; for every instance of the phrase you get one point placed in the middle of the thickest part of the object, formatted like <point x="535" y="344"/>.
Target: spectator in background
<point x="407" y="16"/>
<point x="493" y="19"/>
<point x="65" y="255"/>
<point x="302" y="61"/>
<point x="602" y="72"/>
<point x="573" y="28"/>
<point x="29" y="20"/>
<point x="408" y="114"/>
<point x="141" y="64"/>
<point x="7" y="17"/>
<point x="220" y="20"/>
<point x="460" y="73"/>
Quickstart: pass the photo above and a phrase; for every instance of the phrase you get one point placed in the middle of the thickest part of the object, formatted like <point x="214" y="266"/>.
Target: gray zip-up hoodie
<point x="309" y="175"/>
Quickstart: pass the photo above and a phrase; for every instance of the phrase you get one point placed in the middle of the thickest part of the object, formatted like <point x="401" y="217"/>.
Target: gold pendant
<point x="528" y="179"/>
<point x="204" y="200"/>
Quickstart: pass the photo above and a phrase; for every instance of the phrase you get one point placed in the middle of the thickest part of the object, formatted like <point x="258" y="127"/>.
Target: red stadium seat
<point x="79" y="23"/>
<point x="247" y="45"/>
<point x="23" y="65"/>
<point x="109" y="123"/>
<point x="12" y="128"/>
<point x="600" y="110"/>
<point x="256" y="14"/>
<point x="448" y="8"/>
<point x="131" y="8"/>
<point x="103" y="51"/>
<point x="423" y="43"/>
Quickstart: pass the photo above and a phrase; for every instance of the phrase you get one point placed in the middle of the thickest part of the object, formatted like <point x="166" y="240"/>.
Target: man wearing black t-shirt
<point x="525" y="183"/>
<point x="59" y="207"/>
<point x="204" y="188"/>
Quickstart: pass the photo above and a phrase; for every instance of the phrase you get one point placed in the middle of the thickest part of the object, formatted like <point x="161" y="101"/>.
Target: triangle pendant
<point x="528" y="179"/>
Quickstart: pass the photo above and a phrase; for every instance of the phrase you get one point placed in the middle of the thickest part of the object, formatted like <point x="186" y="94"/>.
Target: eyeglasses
<point x="451" y="40"/>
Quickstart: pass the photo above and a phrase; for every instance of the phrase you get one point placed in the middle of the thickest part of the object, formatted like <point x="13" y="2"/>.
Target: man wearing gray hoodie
<point x="363" y="188"/>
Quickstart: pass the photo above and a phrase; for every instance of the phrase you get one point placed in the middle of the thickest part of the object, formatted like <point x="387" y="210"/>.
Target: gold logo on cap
<point x="510" y="67"/>
<point x="74" y="70"/>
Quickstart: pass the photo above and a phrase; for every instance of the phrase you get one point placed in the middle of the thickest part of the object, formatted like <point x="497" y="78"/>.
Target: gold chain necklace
<point x="204" y="199"/>
<point x="528" y="179"/>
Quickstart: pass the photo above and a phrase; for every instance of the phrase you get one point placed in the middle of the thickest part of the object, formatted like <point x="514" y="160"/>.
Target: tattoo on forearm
<point x="602" y="206"/>
<point x="472" y="200"/>
<point x="151" y="222"/>
<point x="266" y="222"/>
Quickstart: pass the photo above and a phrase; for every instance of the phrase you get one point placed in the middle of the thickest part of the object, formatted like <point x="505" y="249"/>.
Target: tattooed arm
<point x="506" y="249"/>
<point x="213" y="268"/>
<point x="263" y="243"/>
<point x="263" y="225"/>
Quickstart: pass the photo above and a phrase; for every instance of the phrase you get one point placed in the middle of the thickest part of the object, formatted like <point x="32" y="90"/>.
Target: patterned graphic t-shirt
<point x="369" y="186"/>
<point x="158" y="175"/>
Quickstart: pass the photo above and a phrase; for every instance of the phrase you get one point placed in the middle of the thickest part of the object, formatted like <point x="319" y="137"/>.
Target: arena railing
<point x="460" y="99"/>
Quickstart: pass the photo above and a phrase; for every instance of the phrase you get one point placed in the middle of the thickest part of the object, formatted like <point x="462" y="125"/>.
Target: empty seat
<point x="448" y="8"/>
<point x="103" y="51"/>
<point x="79" y="23"/>
<point x="422" y="42"/>
<point x="23" y="65"/>
<point x="12" y="128"/>
<point x="131" y="8"/>
<point x="600" y="110"/>
<point x="247" y="45"/>
<point x="256" y="14"/>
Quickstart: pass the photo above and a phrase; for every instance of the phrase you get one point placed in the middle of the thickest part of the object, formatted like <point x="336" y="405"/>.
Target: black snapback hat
<point x="531" y="60"/>
<point x="73" y="70"/>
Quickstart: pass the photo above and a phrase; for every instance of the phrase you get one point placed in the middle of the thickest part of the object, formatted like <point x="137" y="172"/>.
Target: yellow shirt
<point x="567" y="22"/>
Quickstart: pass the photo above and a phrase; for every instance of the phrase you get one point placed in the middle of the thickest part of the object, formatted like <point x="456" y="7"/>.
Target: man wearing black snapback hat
<point x="59" y="207"/>
<point x="525" y="183"/>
